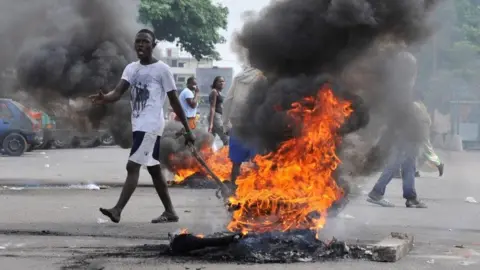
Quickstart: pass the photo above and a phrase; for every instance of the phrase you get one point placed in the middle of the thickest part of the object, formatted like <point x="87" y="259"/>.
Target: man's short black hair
<point x="150" y="32"/>
<point x="190" y="80"/>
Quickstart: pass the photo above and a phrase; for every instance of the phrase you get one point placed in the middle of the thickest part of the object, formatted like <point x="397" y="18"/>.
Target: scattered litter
<point x="101" y="220"/>
<point x="432" y="261"/>
<point x="20" y="245"/>
<point x="470" y="200"/>
<point x="4" y="246"/>
<point x="450" y="230"/>
<point x="88" y="187"/>
<point x="345" y="216"/>
<point x="13" y="188"/>
<point x="47" y="165"/>
<point x="43" y="153"/>
<point x="46" y="156"/>
<point x="467" y="263"/>
<point x="187" y="211"/>
<point x="65" y="207"/>
<point x="308" y="259"/>
<point x="460" y="246"/>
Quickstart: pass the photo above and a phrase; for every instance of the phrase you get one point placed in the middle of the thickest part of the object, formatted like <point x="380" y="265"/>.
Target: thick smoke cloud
<point x="359" y="45"/>
<point x="65" y="50"/>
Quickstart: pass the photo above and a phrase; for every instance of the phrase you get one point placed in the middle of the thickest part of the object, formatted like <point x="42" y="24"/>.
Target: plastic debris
<point x="432" y="261"/>
<point x="47" y="165"/>
<point x="13" y="188"/>
<point x="470" y="200"/>
<point x="87" y="187"/>
<point x="101" y="220"/>
<point x="467" y="263"/>
<point x="345" y="216"/>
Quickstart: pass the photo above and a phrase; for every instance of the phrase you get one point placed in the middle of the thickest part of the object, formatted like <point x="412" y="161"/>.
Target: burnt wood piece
<point x="185" y="243"/>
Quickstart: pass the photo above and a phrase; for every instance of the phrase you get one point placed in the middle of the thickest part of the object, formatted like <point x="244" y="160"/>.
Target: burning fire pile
<point x="189" y="172"/>
<point x="283" y="202"/>
<point x="293" y="187"/>
<point x="187" y="166"/>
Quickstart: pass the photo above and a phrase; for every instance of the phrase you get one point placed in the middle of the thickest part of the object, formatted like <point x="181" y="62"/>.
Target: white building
<point x="183" y="65"/>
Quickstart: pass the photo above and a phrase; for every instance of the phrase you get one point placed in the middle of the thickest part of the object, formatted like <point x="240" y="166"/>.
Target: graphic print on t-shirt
<point x="139" y="95"/>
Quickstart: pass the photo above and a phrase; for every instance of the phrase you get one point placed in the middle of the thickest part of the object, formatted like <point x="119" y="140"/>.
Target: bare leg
<point x="133" y="173"/>
<point x="161" y="187"/>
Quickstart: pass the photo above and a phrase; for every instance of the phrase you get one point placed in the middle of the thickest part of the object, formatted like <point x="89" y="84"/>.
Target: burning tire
<point x="14" y="144"/>
<point x="107" y="139"/>
<point x="61" y="143"/>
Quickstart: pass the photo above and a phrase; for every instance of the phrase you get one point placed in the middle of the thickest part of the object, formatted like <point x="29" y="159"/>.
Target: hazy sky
<point x="236" y="8"/>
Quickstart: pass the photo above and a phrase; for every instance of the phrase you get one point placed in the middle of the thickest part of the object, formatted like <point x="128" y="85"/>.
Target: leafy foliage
<point x="449" y="64"/>
<point x="193" y="24"/>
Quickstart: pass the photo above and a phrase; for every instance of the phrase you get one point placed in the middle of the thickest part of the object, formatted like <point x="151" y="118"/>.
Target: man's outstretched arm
<point x="117" y="93"/>
<point x="112" y="96"/>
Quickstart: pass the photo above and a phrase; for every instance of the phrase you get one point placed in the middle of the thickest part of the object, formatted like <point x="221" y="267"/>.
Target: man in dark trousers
<point x="405" y="135"/>
<point x="150" y="81"/>
<point x="236" y="98"/>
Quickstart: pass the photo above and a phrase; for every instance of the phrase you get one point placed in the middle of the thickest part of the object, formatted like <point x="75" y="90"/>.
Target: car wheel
<point x="107" y="139"/>
<point x="14" y="144"/>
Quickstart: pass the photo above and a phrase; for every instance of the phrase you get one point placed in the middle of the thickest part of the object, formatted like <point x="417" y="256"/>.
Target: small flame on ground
<point x="217" y="161"/>
<point x="293" y="187"/>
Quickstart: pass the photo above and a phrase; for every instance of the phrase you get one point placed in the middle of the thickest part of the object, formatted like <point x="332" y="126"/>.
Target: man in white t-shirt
<point x="150" y="81"/>
<point x="189" y="100"/>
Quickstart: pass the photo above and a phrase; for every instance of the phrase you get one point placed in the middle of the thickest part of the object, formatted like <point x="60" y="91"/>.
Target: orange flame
<point x="296" y="180"/>
<point x="218" y="162"/>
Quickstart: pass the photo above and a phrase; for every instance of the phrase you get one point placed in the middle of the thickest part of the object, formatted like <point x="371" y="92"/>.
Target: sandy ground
<point x="51" y="228"/>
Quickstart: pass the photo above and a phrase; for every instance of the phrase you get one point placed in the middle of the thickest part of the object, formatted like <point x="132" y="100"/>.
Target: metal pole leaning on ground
<point x="224" y="190"/>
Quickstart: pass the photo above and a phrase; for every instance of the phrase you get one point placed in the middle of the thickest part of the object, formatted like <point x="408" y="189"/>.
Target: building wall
<point x="183" y="66"/>
<point x="205" y="78"/>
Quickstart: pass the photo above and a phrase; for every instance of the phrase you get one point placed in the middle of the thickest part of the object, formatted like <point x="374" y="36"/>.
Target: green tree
<point x="193" y="24"/>
<point x="449" y="63"/>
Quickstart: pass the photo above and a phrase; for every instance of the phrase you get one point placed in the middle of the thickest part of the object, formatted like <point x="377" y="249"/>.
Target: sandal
<point x="166" y="218"/>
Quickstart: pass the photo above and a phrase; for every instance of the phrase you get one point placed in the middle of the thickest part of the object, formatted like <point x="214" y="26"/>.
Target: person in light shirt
<point x="189" y="100"/>
<point x="150" y="82"/>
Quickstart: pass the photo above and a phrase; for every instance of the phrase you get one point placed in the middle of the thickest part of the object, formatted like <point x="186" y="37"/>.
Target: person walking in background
<point x="407" y="138"/>
<point x="215" y="124"/>
<point x="189" y="100"/>
<point x="426" y="152"/>
<point x="236" y="97"/>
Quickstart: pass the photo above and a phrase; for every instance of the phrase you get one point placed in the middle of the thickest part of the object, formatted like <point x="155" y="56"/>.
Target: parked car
<point x="18" y="130"/>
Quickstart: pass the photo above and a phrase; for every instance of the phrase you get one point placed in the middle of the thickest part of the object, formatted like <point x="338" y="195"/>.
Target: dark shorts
<point x="145" y="147"/>
<point x="238" y="152"/>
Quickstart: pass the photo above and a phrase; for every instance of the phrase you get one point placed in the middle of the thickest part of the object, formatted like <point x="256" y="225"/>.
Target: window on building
<point x="181" y="79"/>
<point x="174" y="63"/>
<point x="181" y="64"/>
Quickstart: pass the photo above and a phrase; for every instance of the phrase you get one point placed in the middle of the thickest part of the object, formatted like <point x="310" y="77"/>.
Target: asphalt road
<point x="51" y="228"/>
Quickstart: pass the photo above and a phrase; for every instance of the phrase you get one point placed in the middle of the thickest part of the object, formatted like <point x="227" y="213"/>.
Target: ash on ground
<point x="274" y="247"/>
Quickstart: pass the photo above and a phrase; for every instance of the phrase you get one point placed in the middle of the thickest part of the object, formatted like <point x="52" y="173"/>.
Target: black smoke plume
<point x="361" y="46"/>
<point x="64" y="50"/>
